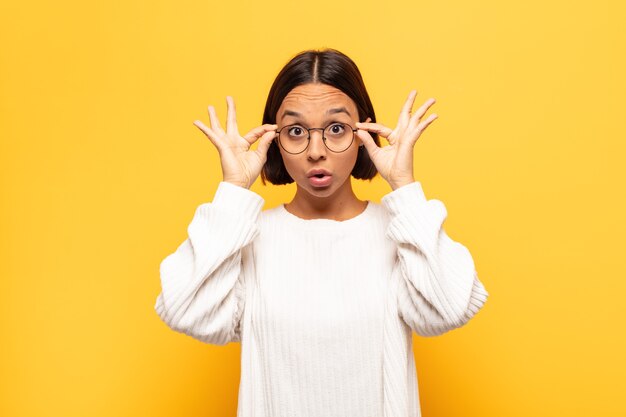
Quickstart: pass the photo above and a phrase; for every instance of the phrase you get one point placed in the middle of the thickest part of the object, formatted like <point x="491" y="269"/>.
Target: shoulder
<point x="378" y="209"/>
<point x="378" y="213"/>
<point x="274" y="215"/>
<point x="272" y="212"/>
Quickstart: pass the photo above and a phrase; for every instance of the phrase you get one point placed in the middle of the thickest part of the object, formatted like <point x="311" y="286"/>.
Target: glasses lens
<point x="294" y="138"/>
<point x="338" y="137"/>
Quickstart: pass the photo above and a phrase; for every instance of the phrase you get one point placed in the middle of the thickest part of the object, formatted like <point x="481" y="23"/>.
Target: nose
<point x="316" y="149"/>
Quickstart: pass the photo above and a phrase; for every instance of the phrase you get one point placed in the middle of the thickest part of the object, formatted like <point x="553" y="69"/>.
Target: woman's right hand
<point x="240" y="165"/>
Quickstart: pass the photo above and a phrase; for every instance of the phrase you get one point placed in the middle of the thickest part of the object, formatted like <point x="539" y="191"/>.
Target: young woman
<point x="323" y="292"/>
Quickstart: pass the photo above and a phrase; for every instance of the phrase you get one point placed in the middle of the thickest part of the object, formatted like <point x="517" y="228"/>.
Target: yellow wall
<point x="102" y="170"/>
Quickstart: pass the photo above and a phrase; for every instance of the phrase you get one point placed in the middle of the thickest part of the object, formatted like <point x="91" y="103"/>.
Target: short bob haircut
<point x="326" y="66"/>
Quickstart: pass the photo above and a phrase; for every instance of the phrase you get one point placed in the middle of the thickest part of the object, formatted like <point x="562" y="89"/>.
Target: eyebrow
<point x="329" y="111"/>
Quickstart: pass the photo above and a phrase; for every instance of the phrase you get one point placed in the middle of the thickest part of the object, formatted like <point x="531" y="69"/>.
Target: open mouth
<point x="320" y="180"/>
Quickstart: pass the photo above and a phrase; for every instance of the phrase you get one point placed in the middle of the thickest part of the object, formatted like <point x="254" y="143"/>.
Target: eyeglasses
<point x="295" y="139"/>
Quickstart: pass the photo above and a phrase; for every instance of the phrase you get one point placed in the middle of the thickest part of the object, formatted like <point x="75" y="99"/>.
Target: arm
<point x="202" y="282"/>
<point x="439" y="289"/>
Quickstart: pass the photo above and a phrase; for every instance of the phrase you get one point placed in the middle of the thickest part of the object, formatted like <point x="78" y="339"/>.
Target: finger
<point x="255" y="133"/>
<point x="264" y="143"/>
<point x="415" y="134"/>
<point x="215" y="121"/>
<point x="408" y="104"/>
<point x="368" y="141"/>
<point x="377" y="128"/>
<point x="405" y="114"/>
<point x="208" y="132"/>
<point x="423" y="125"/>
<point x="231" y="119"/>
<point x="421" y="111"/>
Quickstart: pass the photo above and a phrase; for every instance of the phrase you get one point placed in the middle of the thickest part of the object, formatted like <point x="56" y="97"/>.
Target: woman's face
<point x="319" y="105"/>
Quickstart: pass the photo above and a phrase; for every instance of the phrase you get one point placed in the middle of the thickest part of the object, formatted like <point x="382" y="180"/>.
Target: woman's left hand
<point x="395" y="162"/>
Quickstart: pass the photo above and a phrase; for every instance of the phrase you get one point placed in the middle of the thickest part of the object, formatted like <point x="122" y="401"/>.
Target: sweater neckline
<point x="352" y="220"/>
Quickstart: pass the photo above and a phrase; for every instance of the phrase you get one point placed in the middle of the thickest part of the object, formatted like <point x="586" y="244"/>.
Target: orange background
<point x="102" y="170"/>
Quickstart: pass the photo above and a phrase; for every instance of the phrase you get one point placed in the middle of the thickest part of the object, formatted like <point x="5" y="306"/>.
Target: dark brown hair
<point x="326" y="66"/>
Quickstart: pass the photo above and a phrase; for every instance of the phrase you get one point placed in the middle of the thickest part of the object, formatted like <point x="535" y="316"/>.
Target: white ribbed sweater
<point x="323" y="309"/>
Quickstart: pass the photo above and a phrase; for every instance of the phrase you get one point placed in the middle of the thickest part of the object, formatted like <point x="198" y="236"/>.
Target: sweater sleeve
<point x="202" y="286"/>
<point x="439" y="289"/>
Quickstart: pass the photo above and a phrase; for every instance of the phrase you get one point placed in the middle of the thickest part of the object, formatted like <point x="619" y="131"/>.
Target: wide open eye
<point x="336" y="129"/>
<point x="296" y="131"/>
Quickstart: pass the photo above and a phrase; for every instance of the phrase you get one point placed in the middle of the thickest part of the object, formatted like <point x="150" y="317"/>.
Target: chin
<point x="321" y="192"/>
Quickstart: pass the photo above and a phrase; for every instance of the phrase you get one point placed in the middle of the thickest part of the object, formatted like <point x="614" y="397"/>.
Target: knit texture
<point x="323" y="309"/>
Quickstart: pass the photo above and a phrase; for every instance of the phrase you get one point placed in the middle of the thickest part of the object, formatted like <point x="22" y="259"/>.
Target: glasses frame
<point x="308" y="129"/>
